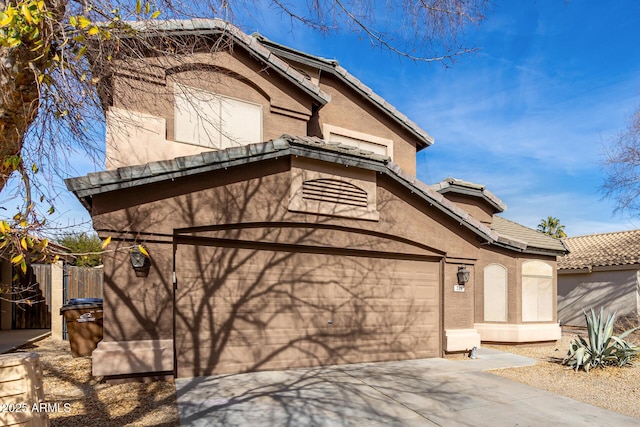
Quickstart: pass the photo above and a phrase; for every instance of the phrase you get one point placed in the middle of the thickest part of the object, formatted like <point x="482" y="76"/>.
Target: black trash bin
<point x="84" y="324"/>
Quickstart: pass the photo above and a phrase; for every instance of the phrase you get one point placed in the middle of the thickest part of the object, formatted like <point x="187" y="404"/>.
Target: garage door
<point x="242" y="310"/>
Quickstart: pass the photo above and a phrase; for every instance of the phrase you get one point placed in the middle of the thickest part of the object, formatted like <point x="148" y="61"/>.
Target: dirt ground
<point x="95" y="403"/>
<point x="612" y="388"/>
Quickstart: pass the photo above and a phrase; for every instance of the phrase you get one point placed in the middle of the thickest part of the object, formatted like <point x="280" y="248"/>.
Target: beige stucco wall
<point x="249" y="206"/>
<point x="147" y="135"/>
<point x="458" y="306"/>
<point x="350" y="110"/>
<point x="476" y="206"/>
<point x="614" y="290"/>
<point x="514" y="280"/>
<point x="514" y="329"/>
<point x="254" y="194"/>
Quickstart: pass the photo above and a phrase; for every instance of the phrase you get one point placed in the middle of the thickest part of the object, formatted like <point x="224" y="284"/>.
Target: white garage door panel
<point x="238" y="309"/>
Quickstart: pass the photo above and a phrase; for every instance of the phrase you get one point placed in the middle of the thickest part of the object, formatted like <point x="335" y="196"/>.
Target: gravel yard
<point x="613" y="388"/>
<point x="94" y="403"/>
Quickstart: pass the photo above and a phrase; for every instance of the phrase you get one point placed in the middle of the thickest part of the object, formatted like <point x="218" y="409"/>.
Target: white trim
<point x="328" y="130"/>
<point x="520" y="333"/>
<point x="461" y="339"/>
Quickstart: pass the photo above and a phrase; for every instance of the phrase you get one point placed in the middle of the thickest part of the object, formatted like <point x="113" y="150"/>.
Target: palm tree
<point x="552" y="227"/>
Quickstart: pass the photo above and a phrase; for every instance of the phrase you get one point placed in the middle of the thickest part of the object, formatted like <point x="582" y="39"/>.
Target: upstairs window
<point x="214" y="121"/>
<point x="363" y="141"/>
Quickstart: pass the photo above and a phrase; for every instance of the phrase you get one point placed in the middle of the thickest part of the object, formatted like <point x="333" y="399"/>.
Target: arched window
<point x="537" y="292"/>
<point x="495" y="293"/>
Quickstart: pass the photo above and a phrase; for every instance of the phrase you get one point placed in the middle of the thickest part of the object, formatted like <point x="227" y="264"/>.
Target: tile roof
<point x="219" y="26"/>
<point x="469" y="188"/>
<point x="270" y="52"/>
<point x="86" y="187"/>
<point x="601" y="250"/>
<point x="513" y="232"/>
<point x="332" y="66"/>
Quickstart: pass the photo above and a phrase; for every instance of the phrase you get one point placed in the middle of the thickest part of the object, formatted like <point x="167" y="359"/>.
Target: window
<point x="211" y="120"/>
<point x="495" y="293"/>
<point x="537" y="292"/>
<point x="363" y="141"/>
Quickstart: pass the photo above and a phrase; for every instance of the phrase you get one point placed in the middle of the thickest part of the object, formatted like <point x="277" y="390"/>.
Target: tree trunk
<point x="19" y="91"/>
<point x="18" y="103"/>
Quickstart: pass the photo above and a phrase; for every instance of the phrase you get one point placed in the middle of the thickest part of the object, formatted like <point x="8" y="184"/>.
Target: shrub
<point x="87" y="248"/>
<point x="602" y="348"/>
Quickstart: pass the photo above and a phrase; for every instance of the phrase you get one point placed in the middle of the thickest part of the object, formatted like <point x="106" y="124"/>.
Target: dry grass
<point x="612" y="388"/>
<point x="69" y="380"/>
<point x="94" y="403"/>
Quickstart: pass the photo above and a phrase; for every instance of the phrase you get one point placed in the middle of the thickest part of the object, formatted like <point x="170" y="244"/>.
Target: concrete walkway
<point x="14" y="338"/>
<point x="425" y="392"/>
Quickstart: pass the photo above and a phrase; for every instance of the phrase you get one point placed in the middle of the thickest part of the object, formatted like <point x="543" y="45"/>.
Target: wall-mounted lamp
<point x="140" y="260"/>
<point x="463" y="275"/>
<point x="463" y="278"/>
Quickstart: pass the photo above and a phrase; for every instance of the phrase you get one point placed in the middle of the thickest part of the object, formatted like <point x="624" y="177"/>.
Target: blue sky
<point x="529" y="115"/>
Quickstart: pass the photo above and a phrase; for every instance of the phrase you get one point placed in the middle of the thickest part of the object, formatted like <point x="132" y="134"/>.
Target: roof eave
<point x="332" y="67"/>
<point x="88" y="186"/>
<point x="218" y="26"/>
<point x="128" y="177"/>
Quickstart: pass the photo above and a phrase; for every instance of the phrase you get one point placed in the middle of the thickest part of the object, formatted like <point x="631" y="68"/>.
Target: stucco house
<point x="602" y="270"/>
<point x="276" y="196"/>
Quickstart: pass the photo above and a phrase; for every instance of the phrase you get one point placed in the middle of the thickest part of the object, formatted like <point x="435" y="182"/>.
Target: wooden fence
<point x="36" y="285"/>
<point x="80" y="282"/>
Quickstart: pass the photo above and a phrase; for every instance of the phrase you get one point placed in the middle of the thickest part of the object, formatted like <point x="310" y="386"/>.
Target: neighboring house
<point x="602" y="270"/>
<point x="318" y="246"/>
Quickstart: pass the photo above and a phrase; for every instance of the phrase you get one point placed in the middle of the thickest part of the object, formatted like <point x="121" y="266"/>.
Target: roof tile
<point x="601" y="250"/>
<point x="534" y="239"/>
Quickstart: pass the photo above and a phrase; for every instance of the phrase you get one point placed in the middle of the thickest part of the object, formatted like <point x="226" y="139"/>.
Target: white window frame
<point x="361" y="140"/>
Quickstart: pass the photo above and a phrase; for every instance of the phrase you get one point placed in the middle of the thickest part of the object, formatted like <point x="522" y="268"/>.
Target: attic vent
<point x="334" y="191"/>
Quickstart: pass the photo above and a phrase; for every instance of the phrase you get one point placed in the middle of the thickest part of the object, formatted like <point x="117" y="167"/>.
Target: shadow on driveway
<point x="406" y="393"/>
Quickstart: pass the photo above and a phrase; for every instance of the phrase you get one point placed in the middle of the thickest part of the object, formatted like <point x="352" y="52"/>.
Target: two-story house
<point x="276" y="196"/>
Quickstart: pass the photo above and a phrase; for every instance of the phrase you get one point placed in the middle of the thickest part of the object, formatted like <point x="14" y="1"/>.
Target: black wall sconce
<point x="140" y="260"/>
<point x="463" y="278"/>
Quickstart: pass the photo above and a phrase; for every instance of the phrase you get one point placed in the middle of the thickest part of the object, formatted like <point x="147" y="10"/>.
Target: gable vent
<point x="334" y="191"/>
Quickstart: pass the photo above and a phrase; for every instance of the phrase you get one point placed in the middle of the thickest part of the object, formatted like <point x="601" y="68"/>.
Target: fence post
<point x="57" y="289"/>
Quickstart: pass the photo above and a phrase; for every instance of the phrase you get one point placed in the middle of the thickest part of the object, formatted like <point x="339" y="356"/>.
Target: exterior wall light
<point x="463" y="278"/>
<point x="140" y="260"/>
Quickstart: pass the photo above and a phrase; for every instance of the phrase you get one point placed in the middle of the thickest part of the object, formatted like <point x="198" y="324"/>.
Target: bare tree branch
<point x="622" y="166"/>
<point x="53" y="99"/>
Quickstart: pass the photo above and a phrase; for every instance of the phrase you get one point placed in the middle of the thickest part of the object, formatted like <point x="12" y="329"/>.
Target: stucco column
<point x="57" y="289"/>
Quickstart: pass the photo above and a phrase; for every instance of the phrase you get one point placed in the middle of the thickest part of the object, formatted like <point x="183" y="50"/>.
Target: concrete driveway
<point x="423" y="392"/>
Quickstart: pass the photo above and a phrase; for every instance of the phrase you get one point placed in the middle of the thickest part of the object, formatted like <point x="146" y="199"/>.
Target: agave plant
<point x="602" y="348"/>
